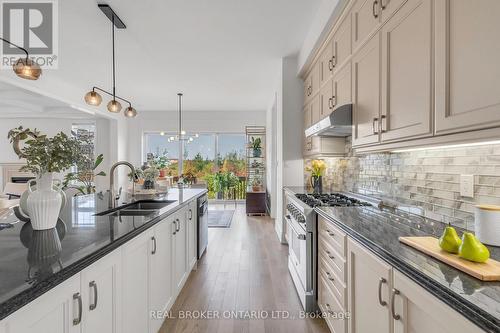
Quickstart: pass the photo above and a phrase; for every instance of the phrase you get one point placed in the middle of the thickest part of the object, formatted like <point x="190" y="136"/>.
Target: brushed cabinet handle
<point x="78" y="297"/>
<point x="393" y="307"/>
<point x="330" y="255"/>
<point x="178" y="223"/>
<point x="190" y="214"/>
<point x="330" y="233"/>
<point x="383" y="123"/>
<point x="375" y="3"/>
<point x="175" y="224"/>
<point x="330" y="276"/>
<point x="93" y="285"/>
<point x="330" y="64"/>
<point x="154" y="245"/>
<point x="375" y="127"/>
<point x="380" y="283"/>
<point x="382" y="4"/>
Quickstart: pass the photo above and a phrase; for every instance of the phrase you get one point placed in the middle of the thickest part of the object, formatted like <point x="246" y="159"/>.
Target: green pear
<point x="472" y="249"/>
<point x="449" y="240"/>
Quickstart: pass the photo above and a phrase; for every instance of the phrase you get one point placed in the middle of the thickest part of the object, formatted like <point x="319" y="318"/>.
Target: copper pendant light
<point x="93" y="97"/>
<point x="25" y="68"/>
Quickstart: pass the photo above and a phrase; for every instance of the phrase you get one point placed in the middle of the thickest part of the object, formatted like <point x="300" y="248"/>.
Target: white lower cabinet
<point x="418" y="311"/>
<point x="368" y="279"/>
<point x="179" y="252"/>
<point x="192" y="234"/>
<point x="57" y="311"/>
<point x="100" y="289"/>
<point x="383" y="300"/>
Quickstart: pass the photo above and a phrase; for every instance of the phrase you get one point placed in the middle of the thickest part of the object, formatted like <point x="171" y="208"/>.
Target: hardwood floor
<point x="242" y="275"/>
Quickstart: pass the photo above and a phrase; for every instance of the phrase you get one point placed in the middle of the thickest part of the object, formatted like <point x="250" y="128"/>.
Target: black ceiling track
<point x="111" y="15"/>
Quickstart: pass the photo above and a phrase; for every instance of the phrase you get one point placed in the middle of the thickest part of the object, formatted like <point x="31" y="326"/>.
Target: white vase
<point x="44" y="202"/>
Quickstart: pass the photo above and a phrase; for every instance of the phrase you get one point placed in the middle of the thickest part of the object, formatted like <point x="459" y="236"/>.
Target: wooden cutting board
<point x="488" y="271"/>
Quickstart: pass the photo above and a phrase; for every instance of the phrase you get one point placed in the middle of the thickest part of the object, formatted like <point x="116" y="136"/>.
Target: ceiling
<point x="16" y="102"/>
<point x="223" y="55"/>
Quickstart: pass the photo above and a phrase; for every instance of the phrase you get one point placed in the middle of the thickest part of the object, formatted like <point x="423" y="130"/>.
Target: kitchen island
<point x="36" y="263"/>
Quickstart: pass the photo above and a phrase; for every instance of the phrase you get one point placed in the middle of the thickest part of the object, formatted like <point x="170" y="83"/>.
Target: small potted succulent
<point x="150" y="176"/>
<point x="256" y="145"/>
<point x="44" y="157"/>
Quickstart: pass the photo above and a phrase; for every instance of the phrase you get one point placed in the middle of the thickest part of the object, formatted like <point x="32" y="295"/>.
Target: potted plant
<point x="255" y="144"/>
<point x="316" y="168"/>
<point x="150" y="176"/>
<point x="83" y="179"/>
<point x="256" y="185"/>
<point x="161" y="163"/>
<point x="44" y="157"/>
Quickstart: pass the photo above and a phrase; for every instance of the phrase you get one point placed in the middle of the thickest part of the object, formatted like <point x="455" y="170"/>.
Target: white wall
<point x="193" y="121"/>
<point x="286" y="123"/>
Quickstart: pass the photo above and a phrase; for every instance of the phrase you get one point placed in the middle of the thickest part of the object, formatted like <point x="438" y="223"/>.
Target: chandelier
<point x="93" y="97"/>
<point x="182" y="136"/>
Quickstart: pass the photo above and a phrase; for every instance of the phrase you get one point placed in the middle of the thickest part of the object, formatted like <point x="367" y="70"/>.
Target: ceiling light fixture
<point x="25" y="68"/>
<point x="93" y="97"/>
<point x="182" y="135"/>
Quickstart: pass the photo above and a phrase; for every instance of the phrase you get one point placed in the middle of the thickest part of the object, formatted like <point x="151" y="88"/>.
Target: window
<point x="209" y="155"/>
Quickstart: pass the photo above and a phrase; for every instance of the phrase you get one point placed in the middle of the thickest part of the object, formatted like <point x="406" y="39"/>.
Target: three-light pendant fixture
<point x="25" y="68"/>
<point x="93" y="97"/>
<point x="182" y="136"/>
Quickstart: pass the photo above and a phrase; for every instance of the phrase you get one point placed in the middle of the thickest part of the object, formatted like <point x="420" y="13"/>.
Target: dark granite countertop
<point x="26" y="273"/>
<point x="379" y="231"/>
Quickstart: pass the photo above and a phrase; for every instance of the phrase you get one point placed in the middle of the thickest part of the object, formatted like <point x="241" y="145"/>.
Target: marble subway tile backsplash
<point x="425" y="182"/>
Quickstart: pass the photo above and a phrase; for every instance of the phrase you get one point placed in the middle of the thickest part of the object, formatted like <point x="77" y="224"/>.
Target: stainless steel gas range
<point x="301" y="233"/>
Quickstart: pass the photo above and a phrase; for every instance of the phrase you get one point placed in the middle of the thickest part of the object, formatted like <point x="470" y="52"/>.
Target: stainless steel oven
<point x="301" y="235"/>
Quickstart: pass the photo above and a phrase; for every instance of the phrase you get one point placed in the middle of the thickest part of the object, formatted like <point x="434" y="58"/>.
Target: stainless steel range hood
<point x="338" y="124"/>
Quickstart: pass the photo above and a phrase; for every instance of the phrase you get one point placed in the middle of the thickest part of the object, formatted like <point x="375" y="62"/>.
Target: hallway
<point x="243" y="276"/>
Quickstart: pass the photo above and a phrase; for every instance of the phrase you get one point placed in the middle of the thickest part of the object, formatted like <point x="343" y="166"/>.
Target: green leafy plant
<point x="138" y="174"/>
<point x="44" y="154"/>
<point x="160" y="162"/>
<point x="256" y="145"/>
<point x="83" y="179"/>
<point x="19" y="134"/>
<point x="151" y="174"/>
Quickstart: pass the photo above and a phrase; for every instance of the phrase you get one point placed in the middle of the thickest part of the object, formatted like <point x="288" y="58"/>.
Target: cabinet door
<point x="326" y="99"/>
<point x="366" y="93"/>
<point x="315" y="110"/>
<point x="135" y="289"/>
<point x="179" y="252"/>
<point x="369" y="280"/>
<point x="101" y="291"/>
<point x="160" y="279"/>
<point x="467" y="70"/>
<point x="307" y="116"/>
<point x="365" y="20"/>
<point x="407" y="73"/>
<point x="341" y="45"/>
<point x="192" y="231"/>
<point x="326" y="63"/>
<point x="388" y="7"/>
<point x="57" y="311"/>
<point x="342" y="87"/>
<point x="419" y="311"/>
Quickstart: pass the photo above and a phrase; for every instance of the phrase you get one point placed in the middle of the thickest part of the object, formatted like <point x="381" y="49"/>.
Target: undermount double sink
<point x="138" y="208"/>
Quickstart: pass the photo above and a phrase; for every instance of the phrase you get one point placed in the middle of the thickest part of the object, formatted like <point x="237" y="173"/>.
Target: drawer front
<point x="333" y="281"/>
<point x="329" y="306"/>
<point x="335" y="260"/>
<point x="333" y="236"/>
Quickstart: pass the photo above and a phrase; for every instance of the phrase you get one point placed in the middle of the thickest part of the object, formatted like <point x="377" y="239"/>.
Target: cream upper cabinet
<point x="418" y="311"/>
<point x="467" y="69"/>
<point x="366" y="93"/>
<point x="342" y="87"/>
<point x="369" y="280"/>
<point x="388" y="7"/>
<point x="365" y="20"/>
<point x="307" y="116"/>
<point x="312" y="81"/>
<point x="315" y="109"/>
<point x="326" y="99"/>
<point x="341" y="44"/>
<point x="407" y="73"/>
<point x="326" y="63"/>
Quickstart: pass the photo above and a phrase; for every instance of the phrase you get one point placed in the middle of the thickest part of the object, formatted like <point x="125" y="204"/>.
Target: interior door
<point x="467" y="70"/>
<point x="366" y="93"/>
<point x="101" y="288"/>
<point x="407" y="73"/>
<point x="369" y="281"/>
<point x="160" y="283"/>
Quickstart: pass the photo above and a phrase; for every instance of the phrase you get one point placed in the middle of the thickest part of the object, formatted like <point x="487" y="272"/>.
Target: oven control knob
<point x="301" y="219"/>
<point x="301" y="237"/>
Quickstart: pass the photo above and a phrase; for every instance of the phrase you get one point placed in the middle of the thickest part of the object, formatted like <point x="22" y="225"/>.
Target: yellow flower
<point x="316" y="168"/>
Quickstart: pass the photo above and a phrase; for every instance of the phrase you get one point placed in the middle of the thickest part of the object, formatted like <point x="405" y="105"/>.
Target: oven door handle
<point x="300" y="236"/>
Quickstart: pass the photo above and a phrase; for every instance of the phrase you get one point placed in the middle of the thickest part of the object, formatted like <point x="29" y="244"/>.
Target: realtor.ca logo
<point x="32" y="25"/>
